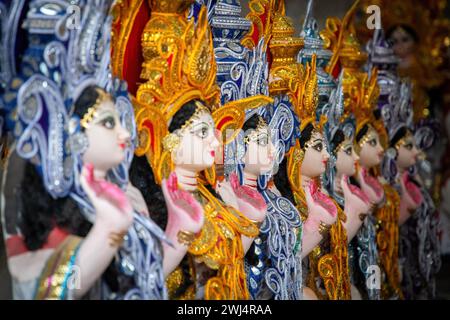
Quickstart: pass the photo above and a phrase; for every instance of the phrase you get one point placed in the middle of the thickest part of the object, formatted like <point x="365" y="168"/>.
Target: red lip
<point x="324" y="162"/>
<point x="213" y="154"/>
<point x="122" y="145"/>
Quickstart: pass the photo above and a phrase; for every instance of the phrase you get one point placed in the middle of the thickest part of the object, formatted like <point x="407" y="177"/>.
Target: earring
<point x="171" y="142"/>
<point x="78" y="143"/>
<point x="299" y="154"/>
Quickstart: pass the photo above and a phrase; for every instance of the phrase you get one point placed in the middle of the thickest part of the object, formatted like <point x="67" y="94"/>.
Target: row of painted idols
<point x="245" y="163"/>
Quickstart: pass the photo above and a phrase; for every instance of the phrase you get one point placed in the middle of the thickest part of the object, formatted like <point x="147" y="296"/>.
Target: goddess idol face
<point x="198" y="142"/>
<point x="259" y="156"/>
<point x="403" y="41"/>
<point x="316" y="156"/>
<point x="346" y="158"/>
<point x="407" y="151"/>
<point x="371" y="151"/>
<point x="107" y="139"/>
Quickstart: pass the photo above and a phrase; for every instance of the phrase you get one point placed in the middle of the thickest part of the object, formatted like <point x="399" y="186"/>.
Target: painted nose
<point x="123" y="134"/>
<point x="325" y="155"/>
<point x="355" y="156"/>
<point x="215" y="142"/>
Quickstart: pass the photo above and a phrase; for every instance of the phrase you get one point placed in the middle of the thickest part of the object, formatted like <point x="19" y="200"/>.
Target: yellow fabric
<point x="53" y="280"/>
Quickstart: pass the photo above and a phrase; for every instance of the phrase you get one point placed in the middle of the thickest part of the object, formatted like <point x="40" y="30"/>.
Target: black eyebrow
<point x="199" y="124"/>
<point x="321" y="140"/>
<point x="263" y="133"/>
<point x="103" y="113"/>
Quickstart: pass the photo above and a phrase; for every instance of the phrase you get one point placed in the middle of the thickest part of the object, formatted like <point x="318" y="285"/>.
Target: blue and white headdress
<point x="338" y="121"/>
<point x="68" y="50"/>
<point x="241" y="73"/>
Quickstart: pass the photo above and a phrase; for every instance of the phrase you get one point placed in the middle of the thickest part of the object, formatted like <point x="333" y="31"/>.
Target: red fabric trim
<point x="133" y="59"/>
<point x="223" y="121"/>
<point x="149" y="126"/>
<point x="15" y="244"/>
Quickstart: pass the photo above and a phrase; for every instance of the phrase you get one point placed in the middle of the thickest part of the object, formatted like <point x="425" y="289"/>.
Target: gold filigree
<point x="388" y="242"/>
<point x="219" y="246"/>
<point x="230" y="118"/>
<point x="307" y="97"/>
<point x="52" y="282"/>
<point x="261" y="16"/>
<point x="261" y="127"/>
<point x="333" y="267"/>
<point x="92" y="111"/>
<point x="340" y="37"/>
<point x="179" y="67"/>
<point x="285" y="73"/>
<point x="185" y="237"/>
<point x="361" y="91"/>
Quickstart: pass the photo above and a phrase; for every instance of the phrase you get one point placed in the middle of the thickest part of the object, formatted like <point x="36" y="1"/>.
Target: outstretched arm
<point x="185" y="220"/>
<point x="113" y="217"/>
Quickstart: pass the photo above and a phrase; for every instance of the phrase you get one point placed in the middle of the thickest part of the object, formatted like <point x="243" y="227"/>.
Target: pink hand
<point x="320" y="207"/>
<point x="183" y="209"/>
<point x="112" y="209"/>
<point x="106" y="190"/>
<point x="246" y="194"/>
<point x="353" y="190"/>
<point x="411" y="191"/>
<point x="371" y="186"/>
<point x="356" y="201"/>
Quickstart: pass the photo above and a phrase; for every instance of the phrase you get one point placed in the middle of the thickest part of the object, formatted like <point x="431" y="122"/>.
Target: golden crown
<point x="340" y="37"/>
<point x="285" y="72"/>
<point x="179" y="66"/>
<point x="307" y="96"/>
<point x="362" y="99"/>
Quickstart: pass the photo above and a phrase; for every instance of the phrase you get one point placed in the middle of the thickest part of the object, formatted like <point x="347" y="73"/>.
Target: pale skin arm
<point x="352" y="225"/>
<point x="94" y="256"/>
<point x="172" y="255"/>
<point x="353" y="222"/>
<point x="185" y="214"/>
<point x="96" y="251"/>
<point x="311" y="234"/>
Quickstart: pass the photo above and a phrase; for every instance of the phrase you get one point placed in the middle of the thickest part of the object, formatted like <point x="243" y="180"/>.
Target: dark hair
<point x="86" y="100"/>
<point x="251" y="123"/>
<point x="306" y="134"/>
<point x="362" y="132"/>
<point x="398" y="135"/>
<point x="377" y="114"/>
<point x="281" y="181"/>
<point x="40" y="212"/>
<point x="281" y="177"/>
<point x="337" y="139"/>
<point x="183" y="115"/>
<point x="405" y="27"/>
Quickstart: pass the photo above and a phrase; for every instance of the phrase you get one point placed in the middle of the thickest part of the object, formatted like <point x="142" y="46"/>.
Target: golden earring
<point x="171" y="142"/>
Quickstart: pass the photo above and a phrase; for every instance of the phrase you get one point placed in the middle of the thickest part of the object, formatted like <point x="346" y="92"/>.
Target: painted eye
<point x="409" y="146"/>
<point x="318" y="147"/>
<point x="263" y="141"/>
<point x="348" y="151"/>
<point x="373" y="142"/>
<point x="109" y="122"/>
<point x="203" y="132"/>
